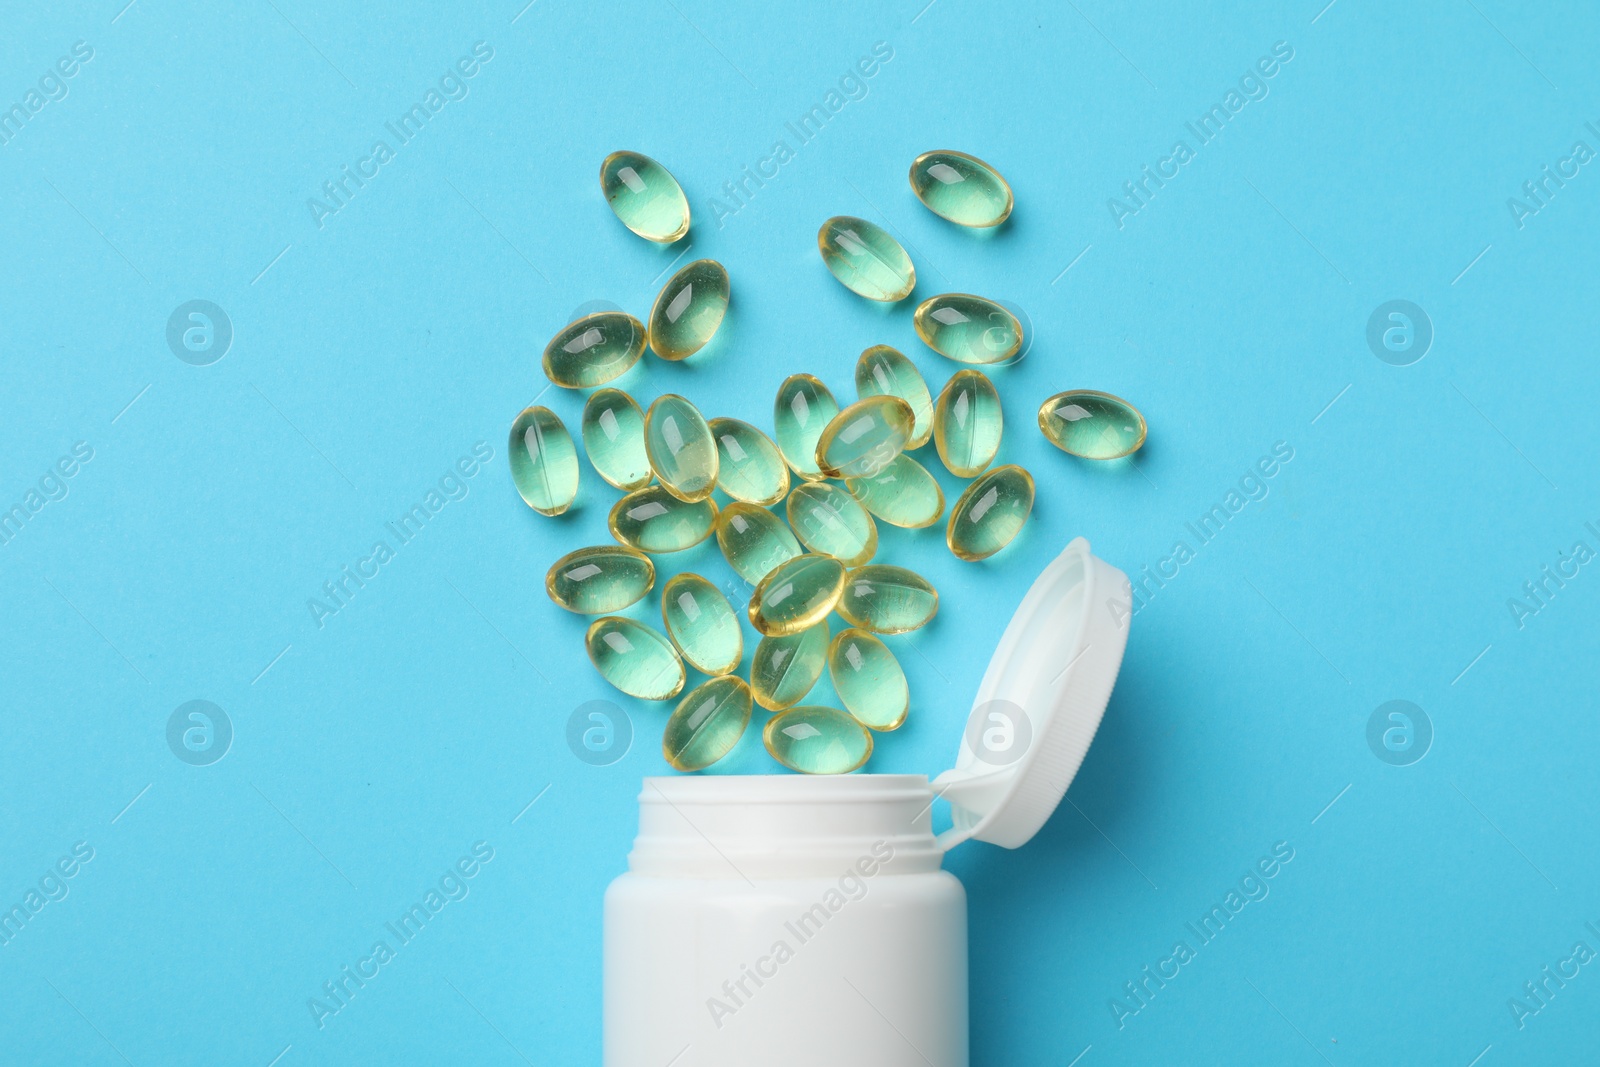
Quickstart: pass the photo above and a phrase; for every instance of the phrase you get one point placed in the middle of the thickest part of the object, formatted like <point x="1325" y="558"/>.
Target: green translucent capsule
<point x="784" y="669"/>
<point x="544" y="463"/>
<point x="613" y="436"/>
<point x="1091" y="424"/>
<point x="707" y="723"/>
<point x="689" y="309"/>
<point x="817" y="740"/>
<point x="803" y="409"/>
<point x="902" y="494"/>
<point x="754" y="540"/>
<point x="869" y="680"/>
<point x="594" y="349"/>
<point x="968" y="329"/>
<point x="887" y="600"/>
<point x="749" y="466"/>
<point x="990" y="513"/>
<point x="967" y="423"/>
<point x="885" y="371"/>
<point x="702" y="624"/>
<point x="634" y="658"/>
<point x="600" y="580"/>
<point x="866" y="259"/>
<point x="680" y="448"/>
<point x="796" y="595"/>
<point x="829" y="520"/>
<point x="645" y="196"/>
<point x="865" y="437"/>
<point x="653" y="520"/>
<point x="961" y="188"/>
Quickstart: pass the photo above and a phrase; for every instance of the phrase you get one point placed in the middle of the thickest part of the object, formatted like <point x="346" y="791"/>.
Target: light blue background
<point x="372" y="752"/>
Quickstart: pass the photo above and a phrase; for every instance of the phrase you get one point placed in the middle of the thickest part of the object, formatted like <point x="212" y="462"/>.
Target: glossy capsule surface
<point x="868" y="679"/>
<point x="600" y="580"/>
<point x="968" y="329"/>
<point x="702" y="624"/>
<point x="902" y="494"/>
<point x="749" y="466"/>
<point x="990" y="513"/>
<point x="865" y="259"/>
<point x="885" y="371"/>
<point x="707" y="723"/>
<point x="796" y="595"/>
<point x="827" y="519"/>
<point x="645" y="196"/>
<point x="689" y="309"/>
<point x="594" y="349"/>
<point x="865" y="437"/>
<point x="653" y="520"/>
<point x="784" y="669"/>
<point x="680" y="448"/>
<point x="543" y="461"/>
<point x="1091" y="424"/>
<point x="802" y="410"/>
<point x="613" y="438"/>
<point x="886" y="599"/>
<point x="968" y="423"/>
<point x="961" y="188"/>
<point x="753" y="540"/>
<point x="634" y="658"/>
<point x="817" y="740"/>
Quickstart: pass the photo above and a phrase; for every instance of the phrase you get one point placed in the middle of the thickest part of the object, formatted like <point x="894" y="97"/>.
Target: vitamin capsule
<point x="653" y="520"/>
<point x="829" y="520"/>
<point x="967" y="423"/>
<point x="803" y="409"/>
<point x="817" y="740"/>
<point x="887" y="600"/>
<point x="613" y="436"/>
<point x="902" y="494"/>
<point x="645" y="196"/>
<point x="634" y="658"/>
<point x="867" y="260"/>
<point x="544" y="463"/>
<point x="884" y="371"/>
<point x="679" y="445"/>
<point x="1091" y="424"/>
<point x="961" y="188"/>
<point x="689" y="309"/>
<point x="968" y="329"/>
<point x="600" y="580"/>
<point x="865" y="437"/>
<point x="869" y="680"/>
<point x="594" y="349"/>
<point x="784" y="669"/>
<point x="702" y="624"/>
<point x="754" y="540"/>
<point x="749" y="466"/>
<point x="990" y="513"/>
<point x="796" y="595"/>
<point x="707" y="723"/>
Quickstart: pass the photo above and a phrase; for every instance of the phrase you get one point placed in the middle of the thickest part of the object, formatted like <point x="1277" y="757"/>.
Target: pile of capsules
<point x="853" y="465"/>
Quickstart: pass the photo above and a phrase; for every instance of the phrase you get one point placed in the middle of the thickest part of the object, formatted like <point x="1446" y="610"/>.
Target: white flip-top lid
<point x="1040" y="701"/>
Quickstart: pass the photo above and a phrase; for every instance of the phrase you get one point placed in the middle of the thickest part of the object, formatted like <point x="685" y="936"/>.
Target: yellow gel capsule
<point x="885" y="371"/>
<point x="784" y="669"/>
<point x="967" y="423"/>
<point x="796" y="595"/>
<point x="749" y="466"/>
<point x="817" y="740"/>
<point x="594" y="349"/>
<point x="613" y="436"/>
<point x="961" y="188"/>
<point x="680" y="448"/>
<point x="869" y="680"/>
<point x="600" y="580"/>
<point x="544" y="463"/>
<point x="887" y="600"/>
<point x="707" y="723"/>
<point x="702" y="624"/>
<point x="866" y="259"/>
<point x="990" y="513"/>
<point x="689" y="309"/>
<point x="968" y="329"/>
<point x="865" y="437"/>
<point x="1091" y="424"/>
<point x="634" y="658"/>
<point x="803" y="409"/>
<point x="653" y="520"/>
<point x="754" y="540"/>
<point x="645" y="196"/>
<point x="902" y="494"/>
<point x="827" y="519"/>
